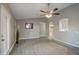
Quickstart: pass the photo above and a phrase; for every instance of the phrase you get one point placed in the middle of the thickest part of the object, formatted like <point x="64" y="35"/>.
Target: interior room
<point x="39" y="28"/>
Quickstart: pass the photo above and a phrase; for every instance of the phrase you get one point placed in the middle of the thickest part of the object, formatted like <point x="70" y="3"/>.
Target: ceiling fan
<point x="49" y="13"/>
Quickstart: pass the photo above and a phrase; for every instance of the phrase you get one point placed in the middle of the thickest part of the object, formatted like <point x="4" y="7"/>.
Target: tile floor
<point x="39" y="47"/>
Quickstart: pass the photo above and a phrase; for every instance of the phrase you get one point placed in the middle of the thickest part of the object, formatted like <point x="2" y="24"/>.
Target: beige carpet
<point x="39" y="47"/>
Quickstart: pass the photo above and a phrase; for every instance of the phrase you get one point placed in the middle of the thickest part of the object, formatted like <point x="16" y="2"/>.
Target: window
<point x="63" y="25"/>
<point x="28" y="25"/>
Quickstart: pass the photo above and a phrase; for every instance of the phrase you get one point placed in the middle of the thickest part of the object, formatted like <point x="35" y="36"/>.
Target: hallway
<point x="40" y="46"/>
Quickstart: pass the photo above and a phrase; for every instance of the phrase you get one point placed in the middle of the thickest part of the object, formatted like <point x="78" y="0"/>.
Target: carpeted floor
<point x="39" y="47"/>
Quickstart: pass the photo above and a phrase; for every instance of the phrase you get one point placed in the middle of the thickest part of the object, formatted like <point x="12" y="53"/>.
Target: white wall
<point x="37" y="31"/>
<point x="42" y="29"/>
<point x="12" y="32"/>
<point x="72" y="36"/>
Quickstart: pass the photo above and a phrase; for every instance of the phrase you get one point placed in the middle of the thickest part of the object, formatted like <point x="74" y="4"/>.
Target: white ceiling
<point x="32" y="10"/>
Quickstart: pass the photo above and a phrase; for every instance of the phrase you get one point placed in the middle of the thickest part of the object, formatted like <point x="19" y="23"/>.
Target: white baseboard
<point x="67" y="43"/>
<point x="28" y="38"/>
<point x="11" y="48"/>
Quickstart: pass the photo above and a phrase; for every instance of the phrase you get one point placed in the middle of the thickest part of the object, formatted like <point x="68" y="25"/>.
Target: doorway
<point x="51" y="27"/>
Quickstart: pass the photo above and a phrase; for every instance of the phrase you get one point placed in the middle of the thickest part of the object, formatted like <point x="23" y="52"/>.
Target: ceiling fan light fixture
<point x="51" y="11"/>
<point x="48" y="15"/>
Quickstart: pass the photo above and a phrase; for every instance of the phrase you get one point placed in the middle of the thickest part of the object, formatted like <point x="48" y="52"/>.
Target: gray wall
<point x="37" y="31"/>
<point x="72" y="36"/>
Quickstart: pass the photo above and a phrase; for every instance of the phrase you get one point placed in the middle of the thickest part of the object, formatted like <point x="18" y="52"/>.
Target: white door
<point x="3" y="30"/>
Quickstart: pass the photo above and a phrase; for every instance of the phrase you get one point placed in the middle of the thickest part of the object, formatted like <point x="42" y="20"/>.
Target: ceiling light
<point x="48" y="15"/>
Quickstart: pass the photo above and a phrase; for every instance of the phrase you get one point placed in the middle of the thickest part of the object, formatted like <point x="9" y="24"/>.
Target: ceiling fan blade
<point x="55" y="9"/>
<point x="43" y="11"/>
<point x="56" y="13"/>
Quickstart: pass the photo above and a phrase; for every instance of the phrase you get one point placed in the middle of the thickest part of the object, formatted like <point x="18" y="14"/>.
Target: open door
<point x="4" y="30"/>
